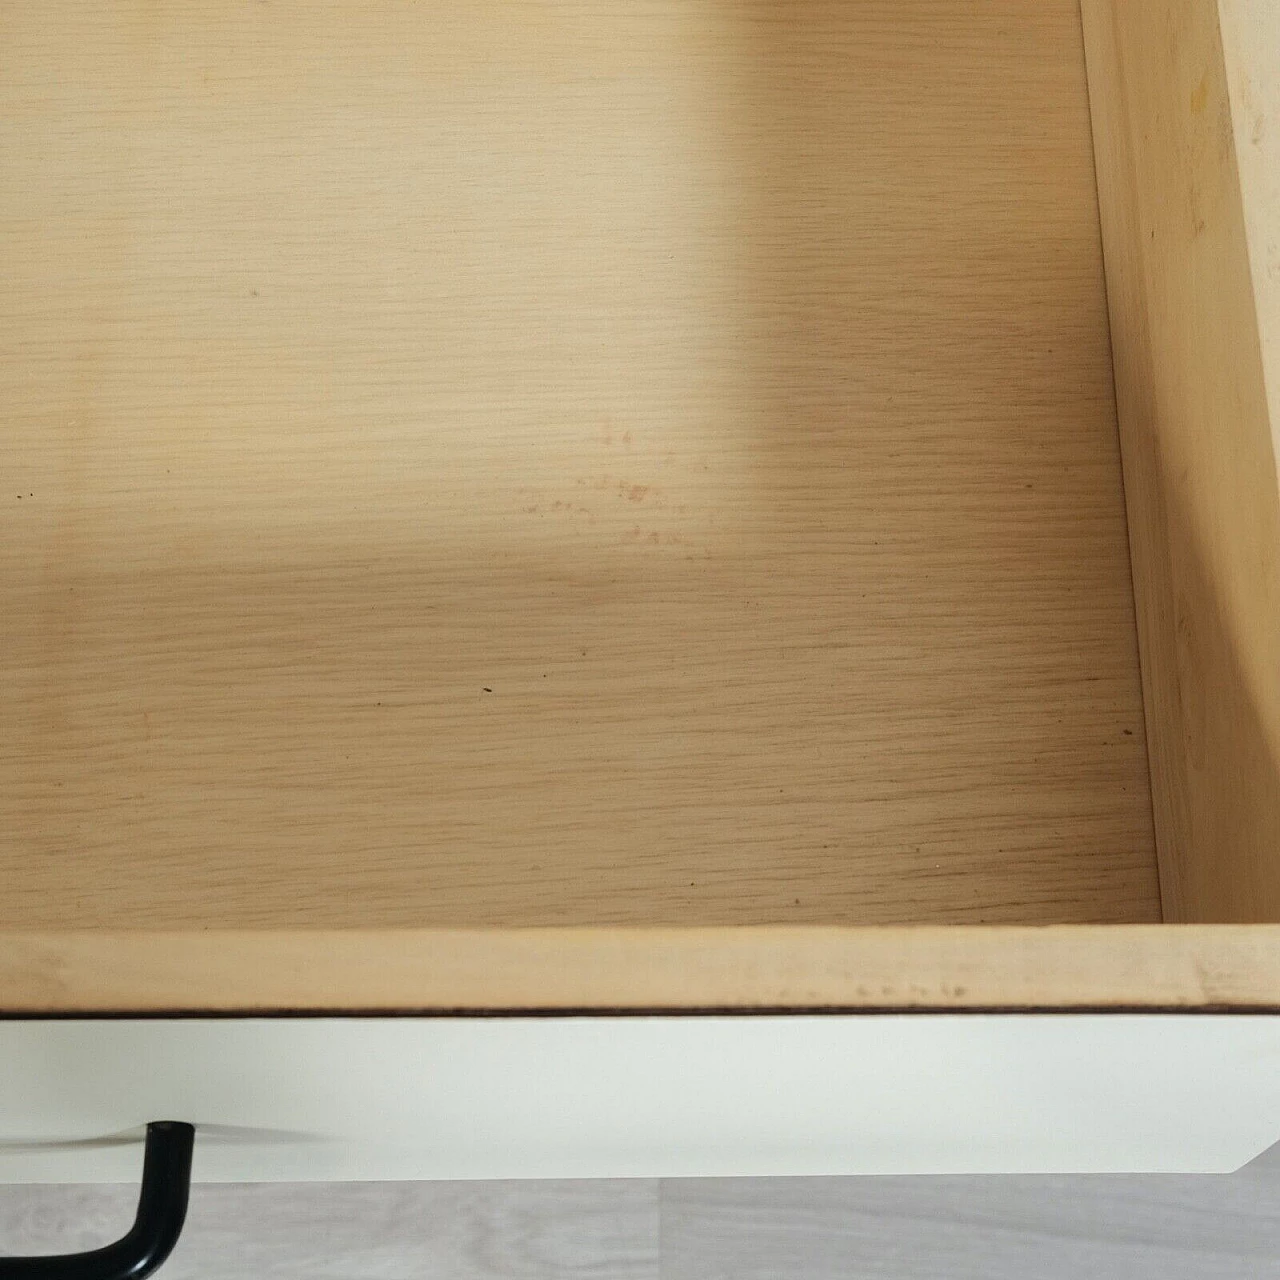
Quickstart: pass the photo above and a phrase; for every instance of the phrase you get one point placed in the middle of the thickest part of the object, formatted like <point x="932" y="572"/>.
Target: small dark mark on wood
<point x="487" y="689"/>
<point x="1128" y="733"/>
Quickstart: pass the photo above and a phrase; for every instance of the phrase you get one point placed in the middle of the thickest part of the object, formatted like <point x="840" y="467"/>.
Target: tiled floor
<point x="1166" y="1228"/>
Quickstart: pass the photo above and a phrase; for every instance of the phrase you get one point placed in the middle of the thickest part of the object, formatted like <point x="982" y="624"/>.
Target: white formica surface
<point x="426" y="1098"/>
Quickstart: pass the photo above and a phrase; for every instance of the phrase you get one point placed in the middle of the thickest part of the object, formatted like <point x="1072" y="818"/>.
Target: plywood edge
<point x="1197" y="442"/>
<point x="596" y="969"/>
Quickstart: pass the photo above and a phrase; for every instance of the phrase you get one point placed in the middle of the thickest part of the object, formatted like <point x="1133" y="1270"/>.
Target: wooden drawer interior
<point x="488" y="466"/>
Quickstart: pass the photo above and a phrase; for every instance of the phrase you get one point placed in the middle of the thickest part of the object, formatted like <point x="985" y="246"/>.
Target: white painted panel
<point x="305" y="1099"/>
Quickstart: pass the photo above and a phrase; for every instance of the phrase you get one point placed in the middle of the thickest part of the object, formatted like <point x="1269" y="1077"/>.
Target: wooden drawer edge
<point x="1143" y="967"/>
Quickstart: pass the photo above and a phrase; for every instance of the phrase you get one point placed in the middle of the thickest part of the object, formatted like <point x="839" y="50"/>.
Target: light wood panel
<point x="1200" y="466"/>
<point x="1196" y="967"/>
<point x="498" y="463"/>
<point x="1251" y="55"/>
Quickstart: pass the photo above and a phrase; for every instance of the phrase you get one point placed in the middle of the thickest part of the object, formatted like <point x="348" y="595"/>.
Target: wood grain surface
<point x="1251" y="55"/>
<point x="1176" y="967"/>
<point x="1053" y="1228"/>
<point x="377" y="1231"/>
<point x="1200" y="468"/>
<point x="488" y="463"/>
<point x="1056" y="1228"/>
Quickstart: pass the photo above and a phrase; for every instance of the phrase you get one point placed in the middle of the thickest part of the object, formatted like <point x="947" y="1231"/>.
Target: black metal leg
<point x="162" y="1209"/>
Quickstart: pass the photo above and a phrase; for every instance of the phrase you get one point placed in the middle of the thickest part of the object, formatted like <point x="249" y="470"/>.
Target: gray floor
<point x="1167" y="1228"/>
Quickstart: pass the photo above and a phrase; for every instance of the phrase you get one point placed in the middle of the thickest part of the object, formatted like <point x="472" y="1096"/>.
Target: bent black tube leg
<point x="162" y="1209"/>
